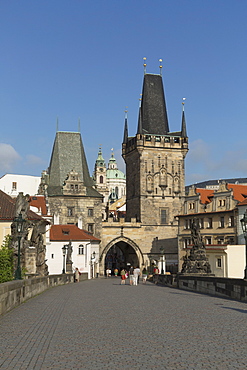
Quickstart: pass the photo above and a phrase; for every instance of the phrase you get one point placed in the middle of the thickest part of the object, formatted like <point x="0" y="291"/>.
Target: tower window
<point x="101" y="179"/>
<point x="163" y="216"/>
<point x="90" y="212"/>
<point x="90" y="228"/>
<point x="70" y="211"/>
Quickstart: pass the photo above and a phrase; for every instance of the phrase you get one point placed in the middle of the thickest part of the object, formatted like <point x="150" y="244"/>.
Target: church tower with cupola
<point x="99" y="175"/>
<point x="154" y="160"/>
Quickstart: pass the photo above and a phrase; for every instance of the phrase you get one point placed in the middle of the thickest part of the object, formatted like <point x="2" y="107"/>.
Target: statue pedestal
<point x="69" y="267"/>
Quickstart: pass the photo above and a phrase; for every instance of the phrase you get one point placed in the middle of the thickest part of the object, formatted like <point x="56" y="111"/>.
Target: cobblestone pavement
<point x="100" y="324"/>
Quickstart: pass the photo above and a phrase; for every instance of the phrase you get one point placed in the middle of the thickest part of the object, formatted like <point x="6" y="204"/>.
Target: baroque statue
<point x="197" y="261"/>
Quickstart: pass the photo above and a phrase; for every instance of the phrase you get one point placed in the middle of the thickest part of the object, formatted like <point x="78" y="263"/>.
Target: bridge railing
<point x="15" y="292"/>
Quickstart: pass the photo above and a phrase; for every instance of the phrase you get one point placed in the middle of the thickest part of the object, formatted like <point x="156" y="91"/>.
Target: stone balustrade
<point x="15" y="292"/>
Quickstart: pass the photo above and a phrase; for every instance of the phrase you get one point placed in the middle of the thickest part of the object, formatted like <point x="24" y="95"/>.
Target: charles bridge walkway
<point x="100" y="324"/>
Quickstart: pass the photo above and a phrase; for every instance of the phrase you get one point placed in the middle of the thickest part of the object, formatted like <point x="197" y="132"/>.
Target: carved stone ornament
<point x="197" y="261"/>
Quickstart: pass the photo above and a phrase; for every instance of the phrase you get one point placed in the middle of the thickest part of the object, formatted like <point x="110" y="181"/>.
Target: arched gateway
<point x="121" y="252"/>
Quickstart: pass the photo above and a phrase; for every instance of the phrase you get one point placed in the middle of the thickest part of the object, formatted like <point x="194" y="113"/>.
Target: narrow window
<point x="210" y="223"/>
<point x="222" y="222"/>
<point x="219" y="262"/>
<point x="163" y="216"/>
<point x="80" y="249"/>
<point x="90" y="228"/>
<point x="70" y="211"/>
<point x="90" y="212"/>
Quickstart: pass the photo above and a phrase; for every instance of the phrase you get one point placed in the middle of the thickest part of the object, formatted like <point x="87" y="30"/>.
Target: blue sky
<point x="76" y="59"/>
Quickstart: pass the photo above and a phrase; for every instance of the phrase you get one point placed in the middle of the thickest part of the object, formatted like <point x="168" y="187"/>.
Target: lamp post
<point x="244" y="227"/>
<point x="162" y="250"/>
<point x="64" y="249"/>
<point x="19" y="223"/>
<point x="93" y="259"/>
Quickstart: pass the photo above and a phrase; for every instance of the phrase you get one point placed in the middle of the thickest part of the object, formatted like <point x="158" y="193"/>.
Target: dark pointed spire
<point x="183" y="127"/>
<point x="125" y="138"/>
<point x="153" y="107"/>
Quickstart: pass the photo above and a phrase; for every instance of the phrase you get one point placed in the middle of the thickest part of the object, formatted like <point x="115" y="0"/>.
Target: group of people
<point x="134" y="275"/>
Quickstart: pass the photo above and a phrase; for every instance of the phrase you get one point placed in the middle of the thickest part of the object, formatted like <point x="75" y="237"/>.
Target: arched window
<point x="101" y="179"/>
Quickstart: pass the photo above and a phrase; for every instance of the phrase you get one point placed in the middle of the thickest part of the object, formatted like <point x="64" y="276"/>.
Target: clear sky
<point x="83" y="59"/>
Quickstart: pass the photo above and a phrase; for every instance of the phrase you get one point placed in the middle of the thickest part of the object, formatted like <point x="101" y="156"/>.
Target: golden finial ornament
<point x="161" y="60"/>
<point x="183" y="102"/>
<point x="145" y="65"/>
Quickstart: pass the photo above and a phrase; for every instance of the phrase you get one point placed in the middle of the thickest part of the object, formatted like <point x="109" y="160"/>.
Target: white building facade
<point x="15" y="184"/>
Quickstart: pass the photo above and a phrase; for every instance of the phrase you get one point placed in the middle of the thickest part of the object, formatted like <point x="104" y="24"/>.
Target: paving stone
<point x="100" y="324"/>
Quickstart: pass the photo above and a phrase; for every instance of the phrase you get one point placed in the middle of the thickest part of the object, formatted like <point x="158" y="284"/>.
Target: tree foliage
<point x="6" y="261"/>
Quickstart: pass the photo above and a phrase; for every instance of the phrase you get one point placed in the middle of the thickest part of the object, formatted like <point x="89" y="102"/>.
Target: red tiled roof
<point x="243" y="203"/>
<point x="205" y="195"/>
<point x="239" y="191"/>
<point x="38" y="201"/>
<point x="70" y="232"/>
<point x="7" y="208"/>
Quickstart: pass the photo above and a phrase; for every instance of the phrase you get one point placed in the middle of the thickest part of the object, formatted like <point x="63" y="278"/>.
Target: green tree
<point x="6" y="261"/>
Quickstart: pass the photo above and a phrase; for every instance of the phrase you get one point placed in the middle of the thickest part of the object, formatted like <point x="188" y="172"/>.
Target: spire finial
<point x="160" y="60"/>
<point x="183" y="102"/>
<point x="140" y="100"/>
<point x="145" y="65"/>
<point x="57" y="125"/>
<point x="79" y="125"/>
<point x="126" y="112"/>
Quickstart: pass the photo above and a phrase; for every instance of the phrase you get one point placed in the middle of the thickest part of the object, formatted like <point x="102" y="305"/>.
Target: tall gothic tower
<point x="69" y="187"/>
<point x="154" y="160"/>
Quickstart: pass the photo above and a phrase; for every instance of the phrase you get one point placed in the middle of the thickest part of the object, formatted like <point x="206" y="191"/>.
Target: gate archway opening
<point x="121" y="255"/>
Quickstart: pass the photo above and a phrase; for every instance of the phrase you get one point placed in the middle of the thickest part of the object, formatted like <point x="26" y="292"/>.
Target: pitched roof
<point x="239" y="191"/>
<point x="70" y="232"/>
<point x="153" y="115"/>
<point x="7" y="209"/>
<point x="205" y="195"/>
<point x="39" y="202"/>
<point x="67" y="155"/>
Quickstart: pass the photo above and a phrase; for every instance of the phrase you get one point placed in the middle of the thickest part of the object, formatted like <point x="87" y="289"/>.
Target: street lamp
<point x="19" y="224"/>
<point x="244" y="227"/>
<point x="162" y="250"/>
<point x="64" y="249"/>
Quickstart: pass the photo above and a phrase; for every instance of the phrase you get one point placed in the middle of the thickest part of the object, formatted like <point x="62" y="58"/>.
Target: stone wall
<point x="13" y="293"/>
<point x="221" y="287"/>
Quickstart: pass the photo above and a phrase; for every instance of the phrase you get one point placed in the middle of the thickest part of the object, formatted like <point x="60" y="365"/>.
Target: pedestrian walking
<point x="131" y="274"/>
<point x="123" y="276"/>
<point x="116" y="272"/>
<point x="76" y="275"/>
<point x="108" y="272"/>
<point x="137" y="273"/>
<point x="144" y="275"/>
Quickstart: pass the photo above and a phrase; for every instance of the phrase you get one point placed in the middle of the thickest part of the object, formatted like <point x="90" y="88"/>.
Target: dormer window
<point x="65" y="232"/>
